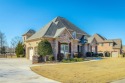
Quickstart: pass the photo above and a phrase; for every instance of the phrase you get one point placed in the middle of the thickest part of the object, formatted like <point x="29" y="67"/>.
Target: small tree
<point x="3" y="50"/>
<point x="19" y="49"/>
<point x="44" y="49"/>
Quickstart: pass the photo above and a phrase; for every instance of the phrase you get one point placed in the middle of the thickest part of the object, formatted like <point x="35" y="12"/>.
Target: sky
<point x="105" y="17"/>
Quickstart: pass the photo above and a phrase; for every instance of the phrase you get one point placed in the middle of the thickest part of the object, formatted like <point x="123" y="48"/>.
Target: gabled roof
<point x="59" y="22"/>
<point x="60" y="31"/>
<point x="31" y="31"/>
<point x="90" y="39"/>
<point x="98" y="38"/>
<point x="117" y="43"/>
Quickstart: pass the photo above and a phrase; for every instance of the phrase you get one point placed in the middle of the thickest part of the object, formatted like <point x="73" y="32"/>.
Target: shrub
<point x="60" y="56"/>
<point x="95" y="55"/>
<point x="80" y="55"/>
<point x="66" y="60"/>
<point x="80" y="59"/>
<point x="75" y="54"/>
<point x="44" y="49"/>
<point x="89" y="54"/>
<point x="51" y="58"/>
<point x="68" y="55"/>
<point x="107" y="54"/>
<point x="72" y="60"/>
<point x="123" y="54"/>
<point x="100" y="54"/>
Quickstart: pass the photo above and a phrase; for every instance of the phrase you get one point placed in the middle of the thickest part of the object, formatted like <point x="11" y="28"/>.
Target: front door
<point x="64" y="49"/>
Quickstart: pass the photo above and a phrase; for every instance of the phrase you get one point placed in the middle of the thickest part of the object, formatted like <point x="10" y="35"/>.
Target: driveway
<point x="18" y="71"/>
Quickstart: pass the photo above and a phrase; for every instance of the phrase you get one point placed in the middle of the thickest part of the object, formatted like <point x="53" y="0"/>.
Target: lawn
<point x="102" y="71"/>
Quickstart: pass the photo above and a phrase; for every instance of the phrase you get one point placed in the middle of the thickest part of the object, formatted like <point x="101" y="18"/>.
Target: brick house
<point x="65" y="37"/>
<point x="100" y="44"/>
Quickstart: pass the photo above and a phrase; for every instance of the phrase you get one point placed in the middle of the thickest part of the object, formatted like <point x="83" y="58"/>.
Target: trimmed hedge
<point x="91" y="54"/>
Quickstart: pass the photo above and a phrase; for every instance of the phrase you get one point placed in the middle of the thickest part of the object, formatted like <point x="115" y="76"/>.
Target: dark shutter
<point x="70" y="47"/>
<point x="58" y="47"/>
<point x="78" y="48"/>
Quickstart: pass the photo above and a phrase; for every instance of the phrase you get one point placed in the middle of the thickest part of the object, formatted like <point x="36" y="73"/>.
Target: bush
<point x="72" y="60"/>
<point x="100" y="54"/>
<point x="66" y="61"/>
<point x="123" y="54"/>
<point x="80" y="55"/>
<point x="60" y="56"/>
<point x="51" y="58"/>
<point x="89" y="54"/>
<point x="94" y="55"/>
<point x="107" y="54"/>
<point x="75" y="54"/>
<point x="68" y="55"/>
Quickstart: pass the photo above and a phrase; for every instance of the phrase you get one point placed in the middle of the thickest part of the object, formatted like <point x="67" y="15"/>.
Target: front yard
<point x="102" y="71"/>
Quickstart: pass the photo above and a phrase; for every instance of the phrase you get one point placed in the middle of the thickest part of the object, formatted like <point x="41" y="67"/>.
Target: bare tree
<point x="14" y="42"/>
<point x="2" y="42"/>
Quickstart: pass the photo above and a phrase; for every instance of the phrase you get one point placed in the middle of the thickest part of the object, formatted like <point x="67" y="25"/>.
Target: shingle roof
<point x="98" y="38"/>
<point x="41" y="32"/>
<point x="108" y="41"/>
<point x="117" y="43"/>
<point x="31" y="31"/>
<point x="58" y="32"/>
<point x="90" y="39"/>
<point x="59" y="22"/>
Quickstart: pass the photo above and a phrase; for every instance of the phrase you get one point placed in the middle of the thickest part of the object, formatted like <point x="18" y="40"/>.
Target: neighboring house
<point x="64" y="37"/>
<point x="123" y="49"/>
<point x="100" y="44"/>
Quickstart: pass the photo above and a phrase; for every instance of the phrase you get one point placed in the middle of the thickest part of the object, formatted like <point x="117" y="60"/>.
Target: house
<point x="99" y="44"/>
<point x="64" y="37"/>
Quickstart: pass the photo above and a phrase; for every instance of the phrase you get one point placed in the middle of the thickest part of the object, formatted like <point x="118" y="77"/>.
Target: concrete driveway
<point x="18" y="71"/>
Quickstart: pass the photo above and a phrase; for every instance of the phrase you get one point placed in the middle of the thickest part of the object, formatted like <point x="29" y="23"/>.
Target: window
<point x="74" y="34"/>
<point x="24" y="38"/>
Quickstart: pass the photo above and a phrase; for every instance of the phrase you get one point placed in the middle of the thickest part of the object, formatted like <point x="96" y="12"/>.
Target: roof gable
<point x="50" y="29"/>
<point x="99" y="38"/>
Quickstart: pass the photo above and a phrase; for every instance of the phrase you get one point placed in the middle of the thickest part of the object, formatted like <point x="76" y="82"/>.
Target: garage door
<point x="30" y="53"/>
<point x="114" y="54"/>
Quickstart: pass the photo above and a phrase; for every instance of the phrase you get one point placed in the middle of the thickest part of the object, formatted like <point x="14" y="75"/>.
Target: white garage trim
<point x="30" y="53"/>
<point x="115" y="54"/>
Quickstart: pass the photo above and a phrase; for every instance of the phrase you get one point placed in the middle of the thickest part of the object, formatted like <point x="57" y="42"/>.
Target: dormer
<point x="28" y="34"/>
